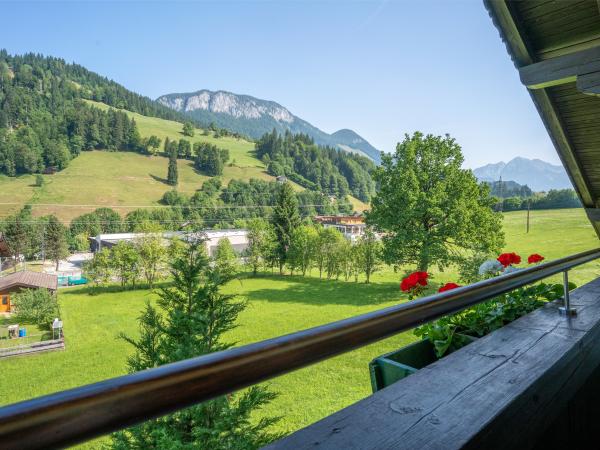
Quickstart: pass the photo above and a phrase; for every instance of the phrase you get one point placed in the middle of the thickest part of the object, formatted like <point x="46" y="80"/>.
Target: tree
<point x="151" y="144"/>
<point x="191" y="319"/>
<point x="184" y="149"/>
<point x="188" y="129"/>
<point x="429" y="209"/>
<point x="303" y="248"/>
<point x="55" y="240"/>
<point x="326" y="255"/>
<point x="39" y="180"/>
<point x="125" y="261"/>
<point x="368" y="254"/>
<point x="172" y="175"/>
<point x="226" y="261"/>
<point x="260" y="243"/>
<point x="36" y="306"/>
<point x="285" y="219"/>
<point x="17" y="237"/>
<point x="152" y="252"/>
<point x="99" y="268"/>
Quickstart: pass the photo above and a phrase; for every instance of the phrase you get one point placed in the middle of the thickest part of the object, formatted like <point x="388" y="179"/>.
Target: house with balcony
<point x="532" y="384"/>
<point x="352" y="227"/>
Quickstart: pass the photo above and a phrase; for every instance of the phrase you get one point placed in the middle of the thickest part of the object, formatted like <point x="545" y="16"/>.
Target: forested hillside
<point x="324" y="169"/>
<point x="44" y="122"/>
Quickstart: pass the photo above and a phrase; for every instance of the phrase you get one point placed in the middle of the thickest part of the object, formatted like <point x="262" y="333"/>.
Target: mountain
<point x="254" y="117"/>
<point x="535" y="173"/>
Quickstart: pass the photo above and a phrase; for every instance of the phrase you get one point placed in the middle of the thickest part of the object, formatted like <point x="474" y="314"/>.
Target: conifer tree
<point x="55" y="240"/>
<point x="191" y="319"/>
<point x="172" y="176"/>
<point x="286" y="218"/>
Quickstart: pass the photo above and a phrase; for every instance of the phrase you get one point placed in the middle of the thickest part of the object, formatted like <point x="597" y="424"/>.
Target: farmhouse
<point x="18" y="281"/>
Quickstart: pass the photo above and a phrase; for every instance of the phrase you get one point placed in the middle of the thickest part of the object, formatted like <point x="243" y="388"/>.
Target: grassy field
<point x="277" y="305"/>
<point x="121" y="179"/>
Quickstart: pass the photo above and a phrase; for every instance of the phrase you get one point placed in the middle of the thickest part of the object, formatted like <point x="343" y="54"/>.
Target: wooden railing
<point x="85" y="412"/>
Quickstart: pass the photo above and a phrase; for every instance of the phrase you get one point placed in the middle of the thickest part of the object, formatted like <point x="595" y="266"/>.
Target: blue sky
<point x="382" y="68"/>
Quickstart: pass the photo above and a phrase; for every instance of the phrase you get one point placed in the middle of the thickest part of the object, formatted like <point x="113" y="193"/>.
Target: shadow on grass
<point x="159" y="179"/>
<point x="114" y="288"/>
<point x="315" y="291"/>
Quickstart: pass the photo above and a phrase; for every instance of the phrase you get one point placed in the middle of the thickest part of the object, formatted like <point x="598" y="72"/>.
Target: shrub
<point x="37" y="306"/>
<point x="39" y="180"/>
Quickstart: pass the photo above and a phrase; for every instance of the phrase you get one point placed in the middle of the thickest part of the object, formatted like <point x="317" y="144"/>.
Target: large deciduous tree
<point x="429" y="209"/>
<point x="285" y="219"/>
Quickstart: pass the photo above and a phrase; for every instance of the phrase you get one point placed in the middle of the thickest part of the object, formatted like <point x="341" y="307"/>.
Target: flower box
<point x="391" y="367"/>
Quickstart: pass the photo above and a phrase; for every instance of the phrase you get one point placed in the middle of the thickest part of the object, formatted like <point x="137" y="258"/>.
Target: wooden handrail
<point x="85" y="412"/>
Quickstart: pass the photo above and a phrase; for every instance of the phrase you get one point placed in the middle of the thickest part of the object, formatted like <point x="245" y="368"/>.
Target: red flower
<point x="535" y="258"/>
<point x="421" y="277"/>
<point x="506" y="259"/>
<point x="413" y="280"/>
<point x="448" y="286"/>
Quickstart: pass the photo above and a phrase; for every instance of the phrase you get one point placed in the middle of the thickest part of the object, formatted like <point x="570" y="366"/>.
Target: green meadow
<point x="276" y="305"/>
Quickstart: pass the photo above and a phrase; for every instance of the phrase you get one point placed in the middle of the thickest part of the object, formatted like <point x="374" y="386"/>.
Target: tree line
<point x="553" y="199"/>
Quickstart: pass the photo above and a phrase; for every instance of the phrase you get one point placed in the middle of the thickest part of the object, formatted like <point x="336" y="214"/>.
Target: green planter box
<point x="391" y="367"/>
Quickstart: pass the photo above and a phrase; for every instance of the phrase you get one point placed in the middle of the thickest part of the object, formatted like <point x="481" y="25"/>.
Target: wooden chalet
<point x="533" y="384"/>
<point x="16" y="282"/>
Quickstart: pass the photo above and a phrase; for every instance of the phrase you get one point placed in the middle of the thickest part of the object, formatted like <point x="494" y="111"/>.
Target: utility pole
<point x="501" y="198"/>
<point x="528" y="208"/>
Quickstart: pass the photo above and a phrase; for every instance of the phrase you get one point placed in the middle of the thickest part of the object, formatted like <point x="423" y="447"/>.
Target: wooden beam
<point x="589" y="83"/>
<point x="560" y="70"/>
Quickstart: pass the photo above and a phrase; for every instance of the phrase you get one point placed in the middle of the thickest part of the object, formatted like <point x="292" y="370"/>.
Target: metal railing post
<point x="566" y="309"/>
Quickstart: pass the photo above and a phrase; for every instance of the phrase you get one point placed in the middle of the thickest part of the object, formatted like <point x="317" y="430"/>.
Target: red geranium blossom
<point x="414" y="280"/>
<point x="535" y="258"/>
<point x="506" y="259"/>
<point x="448" y="286"/>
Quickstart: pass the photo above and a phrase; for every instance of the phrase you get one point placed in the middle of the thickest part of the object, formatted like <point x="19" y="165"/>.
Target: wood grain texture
<point x="560" y="70"/>
<point x="502" y="391"/>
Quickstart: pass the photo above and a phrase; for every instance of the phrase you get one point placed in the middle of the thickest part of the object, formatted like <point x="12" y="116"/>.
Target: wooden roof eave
<point x="516" y="43"/>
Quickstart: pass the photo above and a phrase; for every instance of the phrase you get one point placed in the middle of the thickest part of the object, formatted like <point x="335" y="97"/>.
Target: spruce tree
<point x="286" y="218"/>
<point x="55" y="240"/>
<point x="191" y="318"/>
<point x="172" y="176"/>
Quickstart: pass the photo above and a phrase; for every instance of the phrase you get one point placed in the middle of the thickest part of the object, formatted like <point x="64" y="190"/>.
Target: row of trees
<point x="553" y="199"/>
<point x="286" y="241"/>
<point x="222" y="206"/>
<point x="146" y="258"/>
<point x="44" y="237"/>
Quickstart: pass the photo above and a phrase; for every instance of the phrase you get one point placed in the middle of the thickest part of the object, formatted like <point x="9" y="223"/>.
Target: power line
<point x="165" y="206"/>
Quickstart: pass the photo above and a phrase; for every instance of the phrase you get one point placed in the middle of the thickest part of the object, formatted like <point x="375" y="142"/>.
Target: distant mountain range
<point x="535" y="173"/>
<point x="254" y="117"/>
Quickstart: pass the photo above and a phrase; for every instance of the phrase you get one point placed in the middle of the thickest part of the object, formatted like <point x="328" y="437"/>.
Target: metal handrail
<point x="85" y="412"/>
